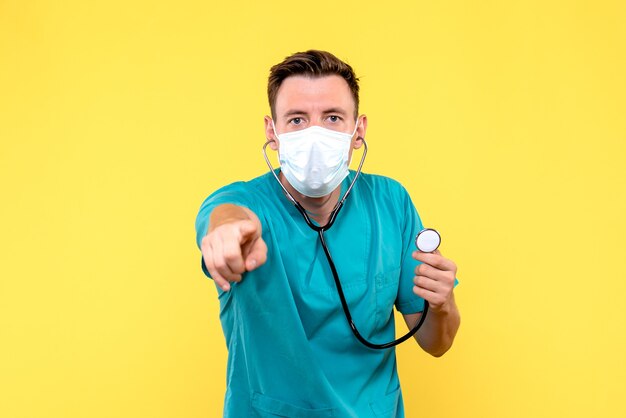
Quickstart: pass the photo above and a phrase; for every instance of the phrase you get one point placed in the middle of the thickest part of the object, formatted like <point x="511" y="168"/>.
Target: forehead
<point x="314" y="93"/>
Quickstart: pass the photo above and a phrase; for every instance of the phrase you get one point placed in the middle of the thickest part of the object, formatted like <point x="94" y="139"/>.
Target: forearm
<point x="439" y="329"/>
<point x="227" y="212"/>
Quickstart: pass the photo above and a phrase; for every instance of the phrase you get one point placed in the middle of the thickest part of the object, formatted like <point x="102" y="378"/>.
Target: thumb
<point x="256" y="254"/>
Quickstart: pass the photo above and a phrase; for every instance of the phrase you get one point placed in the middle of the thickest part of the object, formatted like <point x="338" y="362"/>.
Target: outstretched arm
<point x="233" y="244"/>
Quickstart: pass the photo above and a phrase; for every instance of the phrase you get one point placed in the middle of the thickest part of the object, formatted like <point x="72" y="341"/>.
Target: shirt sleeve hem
<point x="412" y="307"/>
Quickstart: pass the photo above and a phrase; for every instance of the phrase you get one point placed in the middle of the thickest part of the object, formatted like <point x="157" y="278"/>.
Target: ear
<point x="360" y="132"/>
<point x="269" y="133"/>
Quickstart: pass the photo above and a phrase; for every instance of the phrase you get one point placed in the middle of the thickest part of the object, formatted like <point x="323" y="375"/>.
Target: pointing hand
<point x="231" y="249"/>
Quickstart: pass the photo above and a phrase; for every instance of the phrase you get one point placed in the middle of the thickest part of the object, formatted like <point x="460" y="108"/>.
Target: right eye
<point x="296" y="121"/>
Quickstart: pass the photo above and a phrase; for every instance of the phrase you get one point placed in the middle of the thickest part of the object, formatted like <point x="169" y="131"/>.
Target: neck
<point x="318" y="208"/>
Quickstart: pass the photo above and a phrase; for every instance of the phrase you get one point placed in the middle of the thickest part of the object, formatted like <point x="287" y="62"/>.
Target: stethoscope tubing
<point x="320" y="231"/>
<point x="346" y="309"/>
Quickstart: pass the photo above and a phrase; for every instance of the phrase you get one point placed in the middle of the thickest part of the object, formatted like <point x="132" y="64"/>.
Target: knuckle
<point x="230" y="256"/>
<point x="205" y="244"/>
<point x="450" y="281"/>
<point x="419" y="280"/>
<point x="219" y="264"/>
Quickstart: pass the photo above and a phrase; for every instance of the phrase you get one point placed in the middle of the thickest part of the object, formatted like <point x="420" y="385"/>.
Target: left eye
<point x="334" y="118"/>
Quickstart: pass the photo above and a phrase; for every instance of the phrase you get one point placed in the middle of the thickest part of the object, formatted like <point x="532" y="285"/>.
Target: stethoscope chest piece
<point x="427" y="240"/>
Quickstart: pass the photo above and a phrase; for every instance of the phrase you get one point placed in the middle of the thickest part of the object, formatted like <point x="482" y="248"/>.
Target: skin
<point x="234" y="244"/>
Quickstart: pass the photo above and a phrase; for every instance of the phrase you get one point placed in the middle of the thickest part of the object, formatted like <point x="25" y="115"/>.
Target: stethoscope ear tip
<point x="427" y="240"/>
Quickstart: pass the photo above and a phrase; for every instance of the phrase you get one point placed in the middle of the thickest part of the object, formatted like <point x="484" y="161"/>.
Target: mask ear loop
<point x="269" y="164"/>
<point x="358" y="170"/>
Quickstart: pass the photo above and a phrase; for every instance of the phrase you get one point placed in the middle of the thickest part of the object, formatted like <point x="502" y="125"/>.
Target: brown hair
<point x="312" y="63"/>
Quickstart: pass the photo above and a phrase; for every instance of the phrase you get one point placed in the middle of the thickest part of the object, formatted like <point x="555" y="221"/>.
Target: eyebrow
<point x="335" y="110"/>
<point x="294" y="112"/>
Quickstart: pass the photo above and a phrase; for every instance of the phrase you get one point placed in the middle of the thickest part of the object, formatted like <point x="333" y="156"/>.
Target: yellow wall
<point x="504" y="119"/>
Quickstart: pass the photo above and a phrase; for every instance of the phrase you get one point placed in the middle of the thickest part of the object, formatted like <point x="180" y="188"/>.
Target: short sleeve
<point x="408" y="302"/>
<point x="236" y="193"/>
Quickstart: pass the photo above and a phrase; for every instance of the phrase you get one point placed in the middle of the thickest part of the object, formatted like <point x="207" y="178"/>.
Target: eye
<point x="334" y="118"/>
<point x="296" y="121"/>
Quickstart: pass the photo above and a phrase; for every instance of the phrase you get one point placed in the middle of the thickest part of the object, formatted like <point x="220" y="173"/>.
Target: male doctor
<point x="291" y="352"/>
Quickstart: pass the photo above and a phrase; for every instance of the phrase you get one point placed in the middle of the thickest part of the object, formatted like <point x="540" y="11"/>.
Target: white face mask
<point x="315" y="160"/>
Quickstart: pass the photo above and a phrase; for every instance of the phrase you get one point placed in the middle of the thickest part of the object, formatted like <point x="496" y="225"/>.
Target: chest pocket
<point x="386" y="293"/>
<point x="266" y="407"/>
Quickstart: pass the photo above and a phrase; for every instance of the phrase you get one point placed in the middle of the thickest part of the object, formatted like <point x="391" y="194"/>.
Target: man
<point x="291" y="351"/>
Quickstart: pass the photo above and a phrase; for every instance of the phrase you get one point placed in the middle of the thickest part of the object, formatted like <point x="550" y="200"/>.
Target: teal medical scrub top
<point x="291" y="352"/>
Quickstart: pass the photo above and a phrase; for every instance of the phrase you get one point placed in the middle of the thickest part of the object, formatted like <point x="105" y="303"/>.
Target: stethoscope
<point x="427" y="240"/>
